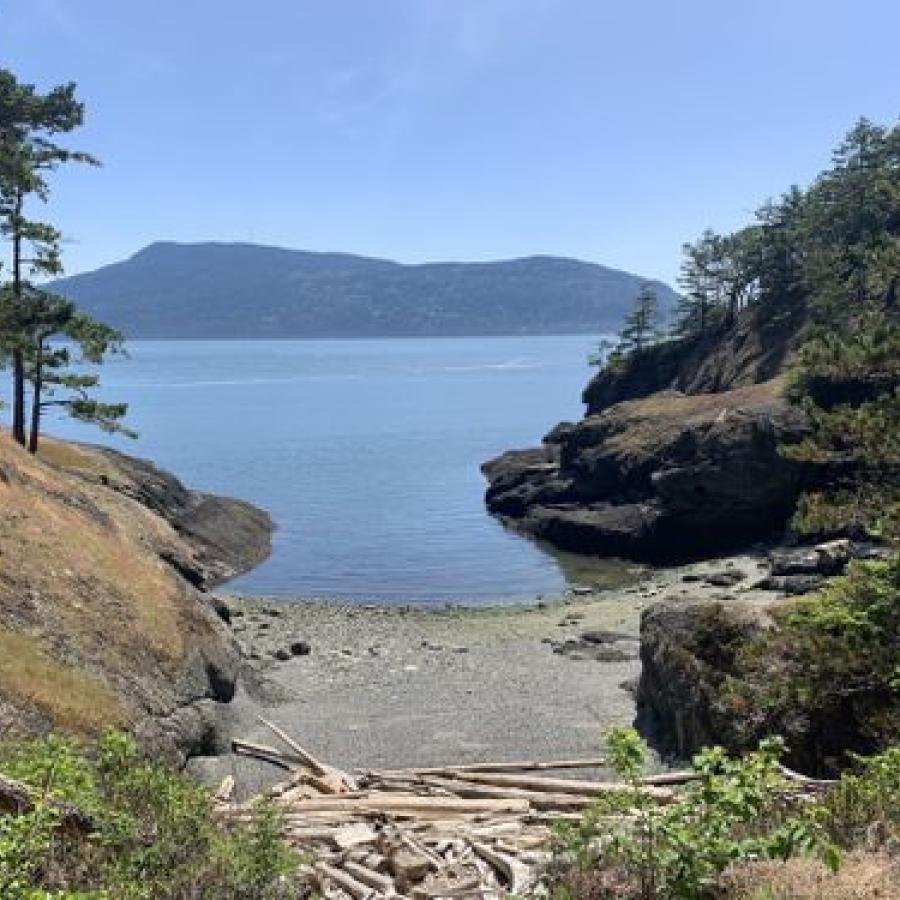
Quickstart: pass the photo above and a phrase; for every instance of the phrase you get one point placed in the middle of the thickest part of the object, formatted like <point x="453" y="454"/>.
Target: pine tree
<point x="703" y="291"/>
<point x="641" y="328"/>
<point x="49" y="368"/>
<point x="29" y="121"/>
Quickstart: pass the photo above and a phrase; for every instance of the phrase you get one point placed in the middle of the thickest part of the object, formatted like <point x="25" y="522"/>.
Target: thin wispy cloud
<point x="447" y="42"/>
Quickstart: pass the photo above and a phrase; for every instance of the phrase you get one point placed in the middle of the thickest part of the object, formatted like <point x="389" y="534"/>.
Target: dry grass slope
<point x="78" y="703"/>
<point x="652" y="420"/>
<point x="93" y="623"/>
<point x="863" y="876"/>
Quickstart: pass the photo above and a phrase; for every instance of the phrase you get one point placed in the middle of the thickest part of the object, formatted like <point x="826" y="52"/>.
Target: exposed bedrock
<point x="687" y="653"/>
<point x="670" y="476"/>
<point x="718" y="671"/>
<point x="224" y="536"/>
<point x="753" y="351"/>
<point x="105" y="560"/>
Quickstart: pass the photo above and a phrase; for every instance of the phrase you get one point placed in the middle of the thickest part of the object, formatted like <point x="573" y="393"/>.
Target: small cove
<point x="365" y="452"/>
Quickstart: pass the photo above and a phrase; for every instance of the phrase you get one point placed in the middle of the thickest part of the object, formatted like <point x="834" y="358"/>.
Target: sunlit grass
<point x="73" y="700"/>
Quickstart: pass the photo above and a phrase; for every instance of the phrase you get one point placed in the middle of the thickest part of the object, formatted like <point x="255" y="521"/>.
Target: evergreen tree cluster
<point x="826" y="257"/>
<point x="642" y="326"/>
<point x="44" y="338"/>
<point x="831" y="249"/>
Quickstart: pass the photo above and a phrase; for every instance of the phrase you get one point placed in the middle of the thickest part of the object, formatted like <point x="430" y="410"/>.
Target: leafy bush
<point x="25" y="841"/>
<point x="733" y="812"/>
<point x="827" y="678"/>
<point x="868" y="511"/>
<point x="864" y="808"/>
<point x="156" y="837"/>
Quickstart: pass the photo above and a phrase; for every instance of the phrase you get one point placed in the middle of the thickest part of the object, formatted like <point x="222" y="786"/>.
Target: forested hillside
<point x="214" y="290"/>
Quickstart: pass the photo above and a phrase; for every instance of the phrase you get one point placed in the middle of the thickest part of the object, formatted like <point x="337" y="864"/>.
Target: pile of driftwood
<point x="469" y="831"/>
<point x="465" y="831"/>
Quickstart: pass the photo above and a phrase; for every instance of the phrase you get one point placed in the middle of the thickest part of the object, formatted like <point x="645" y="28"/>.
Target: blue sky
<point x="448" y="129"/>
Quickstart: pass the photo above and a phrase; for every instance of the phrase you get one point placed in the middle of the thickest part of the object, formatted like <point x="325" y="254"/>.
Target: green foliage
<point x="863" y="605"/>
<point x="826" y="676"/>
<point x="56" y="372"/>
<point x="156" y="839"/>
<point x="828" y="258"/>
<point x="31" y="317"/>
<point x="627" y="754"/>
<point x="733" y="812"/>
<point x="641" y="327"/>
<point x="864" y="807"/>
<point x="25" y="842"/>
<point x="847" y="379"/>
<point x="720" y="276"/>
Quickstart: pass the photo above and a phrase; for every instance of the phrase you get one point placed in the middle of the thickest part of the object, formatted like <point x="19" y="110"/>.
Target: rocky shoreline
<point x="387" y="685"/>
<point x="393" y="686"/>
<point x="224" y="537"/>
<point x="660" y="479"/>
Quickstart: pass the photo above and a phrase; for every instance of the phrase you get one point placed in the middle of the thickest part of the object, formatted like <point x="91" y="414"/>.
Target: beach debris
<point x="478" y="830"/>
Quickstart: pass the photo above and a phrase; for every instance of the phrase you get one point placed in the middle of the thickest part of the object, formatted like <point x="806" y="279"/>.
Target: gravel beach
<point x="369" y="686"/>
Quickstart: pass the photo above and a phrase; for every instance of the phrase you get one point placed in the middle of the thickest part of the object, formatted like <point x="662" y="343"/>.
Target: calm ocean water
<point x="366" y="453"/>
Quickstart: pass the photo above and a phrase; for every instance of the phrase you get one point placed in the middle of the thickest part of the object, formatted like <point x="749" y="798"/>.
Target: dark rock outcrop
<point x="668" y="477"/>
<point x="678" y="455"/>
<point x="687" y="652"/>
<point x="737" y="669"/>
<point x="830" y="558"/>
<point x="224" y="536"/>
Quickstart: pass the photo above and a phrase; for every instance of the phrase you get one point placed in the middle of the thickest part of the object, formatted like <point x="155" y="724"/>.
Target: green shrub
<point x="864" y="807"/>
<point x="733" y="812"/>
<point x="156" y="838"/>
<point x="827" y="677"/>
<point x="25" y="844"/>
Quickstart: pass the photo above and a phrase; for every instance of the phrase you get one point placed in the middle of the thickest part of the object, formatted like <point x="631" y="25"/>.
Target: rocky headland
<point x="105" y="618"/>
<point x="685" y="453"/>
<point x="678" y="457"/>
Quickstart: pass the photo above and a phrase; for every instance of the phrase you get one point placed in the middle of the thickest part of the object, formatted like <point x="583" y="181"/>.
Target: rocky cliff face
<point x="751" y="352"/>
<point x="677" y="457"/>
<point x="671" y="476"/>
<point x="103" y="620"/>
<point x="688" y="651"/>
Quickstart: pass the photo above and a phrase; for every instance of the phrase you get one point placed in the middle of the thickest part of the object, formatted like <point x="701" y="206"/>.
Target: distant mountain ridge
<point x="222" y="290"/>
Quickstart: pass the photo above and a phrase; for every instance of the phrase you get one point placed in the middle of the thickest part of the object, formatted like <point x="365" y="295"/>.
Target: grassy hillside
<point x="97" y="627"/>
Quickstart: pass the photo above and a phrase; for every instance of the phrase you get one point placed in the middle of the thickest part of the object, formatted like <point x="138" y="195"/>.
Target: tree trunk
<point x="733" y="300"/>
<point x="18" y="426"/>
<point x="36" y="398"/>
<point x="18" y="397"/>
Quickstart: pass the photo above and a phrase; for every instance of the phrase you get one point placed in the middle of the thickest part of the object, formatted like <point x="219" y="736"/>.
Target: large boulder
<point x="671" y="476"/>
<point x="688" y="650"/>
<point x="735" y="671"/>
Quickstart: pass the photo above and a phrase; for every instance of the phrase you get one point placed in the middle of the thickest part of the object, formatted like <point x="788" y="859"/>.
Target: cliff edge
<point x="678" y="456"/>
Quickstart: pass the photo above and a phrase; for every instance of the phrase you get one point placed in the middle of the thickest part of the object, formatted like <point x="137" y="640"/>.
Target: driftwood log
<point x="479" y="831"/>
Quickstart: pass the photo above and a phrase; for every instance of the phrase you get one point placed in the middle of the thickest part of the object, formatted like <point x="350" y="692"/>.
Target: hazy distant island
<point x="222" y="290"/>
